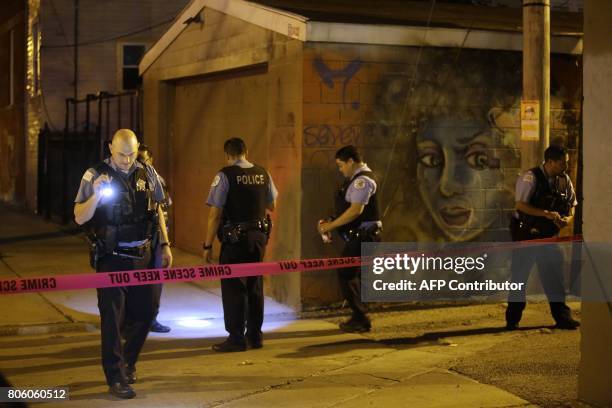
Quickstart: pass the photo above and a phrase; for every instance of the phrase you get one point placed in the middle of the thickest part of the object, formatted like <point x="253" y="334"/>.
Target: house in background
<point x="434" y="105"/>
<point x="40" y="68"/>
<point x="13" y="33"/>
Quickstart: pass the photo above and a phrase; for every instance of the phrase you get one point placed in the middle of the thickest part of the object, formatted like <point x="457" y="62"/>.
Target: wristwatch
<point x="206" y="247"/>
<point x="165" y="244"/>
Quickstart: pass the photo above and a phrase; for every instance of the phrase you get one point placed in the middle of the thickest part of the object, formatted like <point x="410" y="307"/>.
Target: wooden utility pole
<point x="536" y="80"/>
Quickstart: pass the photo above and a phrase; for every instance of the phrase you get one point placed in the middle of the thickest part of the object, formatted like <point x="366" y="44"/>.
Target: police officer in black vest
<point x="145" y="156"/>
<point x="357" y="220"/>
<point x="545" y="201"/>
<point x="118" y="202"/>
<point x="238" y="199"/>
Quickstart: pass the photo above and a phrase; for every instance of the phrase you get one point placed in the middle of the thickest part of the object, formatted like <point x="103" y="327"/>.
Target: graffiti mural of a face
<point x="460" y="150"/>
<point x="454" y="168"/>
<point x="452" y="130"/>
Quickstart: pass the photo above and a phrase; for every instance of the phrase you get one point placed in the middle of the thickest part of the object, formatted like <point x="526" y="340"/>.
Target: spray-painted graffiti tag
<point x="329" y="75"/>
<point x="330" y="136"/>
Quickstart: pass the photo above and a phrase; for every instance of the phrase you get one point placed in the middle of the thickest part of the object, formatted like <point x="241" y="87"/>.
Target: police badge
<point x="141" y="185"/>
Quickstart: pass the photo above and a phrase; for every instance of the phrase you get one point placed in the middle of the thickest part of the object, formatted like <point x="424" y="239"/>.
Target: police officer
<point x="145" y="156"/>
<point x="238" y="199"/>
<point x="357" y="220"/>
<point x="545" y="201"/>
<point x="118" y="202"/>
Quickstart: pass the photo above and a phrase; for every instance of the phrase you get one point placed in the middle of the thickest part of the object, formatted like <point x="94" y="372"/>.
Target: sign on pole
<point x="530" y="120"/>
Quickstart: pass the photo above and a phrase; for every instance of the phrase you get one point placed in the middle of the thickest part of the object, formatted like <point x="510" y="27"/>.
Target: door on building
<point x="207" y="111"/>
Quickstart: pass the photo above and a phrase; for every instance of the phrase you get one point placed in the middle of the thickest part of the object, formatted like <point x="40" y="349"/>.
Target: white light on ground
<point x="190" y="311"/>
<point x="193" y="323"/>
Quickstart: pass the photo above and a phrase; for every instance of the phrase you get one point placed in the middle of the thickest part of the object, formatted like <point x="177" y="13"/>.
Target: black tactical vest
<point x="370" y="211"/>
<point x="247" y="194"/>
<point x="130" y="214"/>
<point x="546" y="197"/>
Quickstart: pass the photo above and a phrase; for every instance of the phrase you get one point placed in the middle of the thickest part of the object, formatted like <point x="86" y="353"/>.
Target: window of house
<point x="131" y="54"/>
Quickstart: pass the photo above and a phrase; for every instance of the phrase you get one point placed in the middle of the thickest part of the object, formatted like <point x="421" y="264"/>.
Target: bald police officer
<point x="357" y="220"/>
<point x="238" y="199"/>
<point x="118" y="202"/>
<point x="545" y="201"/>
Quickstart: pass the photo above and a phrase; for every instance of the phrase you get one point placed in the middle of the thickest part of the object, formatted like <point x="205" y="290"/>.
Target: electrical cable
<point x="117" y="37"/>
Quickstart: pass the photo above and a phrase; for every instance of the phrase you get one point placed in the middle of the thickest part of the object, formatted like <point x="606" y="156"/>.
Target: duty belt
<point x="361" y="233"/>
<point x="234" y="232"/>
<point x="138" y="252"/>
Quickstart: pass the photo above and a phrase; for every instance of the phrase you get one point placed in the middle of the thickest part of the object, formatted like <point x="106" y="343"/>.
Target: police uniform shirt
<point x="168" y="199"/>
<point x="86" y="189"/>
<point x="526" y="185"/>
<point x="217" y="196"/>
<point x="361" y="190"/>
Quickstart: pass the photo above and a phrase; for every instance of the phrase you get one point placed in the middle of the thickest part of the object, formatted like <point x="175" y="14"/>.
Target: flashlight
<point x="107" y="191"/>
<point x="327" y="236"/>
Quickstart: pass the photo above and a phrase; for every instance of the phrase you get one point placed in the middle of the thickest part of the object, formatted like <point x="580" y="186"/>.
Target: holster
<point x="235" y="232"/>
<point x="528" y="228"/>
<point x="361" y="234"/>
<point x="97" y="250"/>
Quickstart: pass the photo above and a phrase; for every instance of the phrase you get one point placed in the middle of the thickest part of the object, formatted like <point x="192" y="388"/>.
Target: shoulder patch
<point x="528" y="177"/>
<point x="88" y="176"/>
<point x="359" y="184"/>
<point x="216" y="181"/>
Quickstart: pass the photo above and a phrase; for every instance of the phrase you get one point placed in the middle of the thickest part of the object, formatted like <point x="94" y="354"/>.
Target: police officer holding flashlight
<point x="118" y="203"/>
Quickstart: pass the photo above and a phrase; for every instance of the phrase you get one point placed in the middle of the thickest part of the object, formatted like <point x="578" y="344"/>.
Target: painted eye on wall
<point x="478" y="160"/>
<point x="430" y="160"/>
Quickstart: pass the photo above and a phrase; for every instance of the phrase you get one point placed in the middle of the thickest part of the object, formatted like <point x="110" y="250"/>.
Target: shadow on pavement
<point x="434" y="336"/>
<point x="157" y="349"/>
<point x="427" y="339"/>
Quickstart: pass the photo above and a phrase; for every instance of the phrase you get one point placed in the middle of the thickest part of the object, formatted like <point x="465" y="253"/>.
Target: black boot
<point x="356" y="324"/>
<point x="122" y="390"/>
<point x="229" y="346"/>
<point x="157" y="327"/>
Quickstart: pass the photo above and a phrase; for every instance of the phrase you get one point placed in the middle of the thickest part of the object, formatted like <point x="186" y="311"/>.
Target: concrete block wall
<point x="285" y="115"/>
<point x="440" y="127"/>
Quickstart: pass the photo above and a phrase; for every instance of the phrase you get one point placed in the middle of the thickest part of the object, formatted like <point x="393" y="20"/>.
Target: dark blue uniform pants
<point x="549" y="260"/>
<point x="243" y="298"/>
<point x="350" y="279"/>
<point x="130" y="307"/>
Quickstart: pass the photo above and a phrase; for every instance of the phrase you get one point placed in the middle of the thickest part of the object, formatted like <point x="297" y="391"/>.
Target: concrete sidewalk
<point x="30" y="247"/>
<point x="50" y="339"/>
